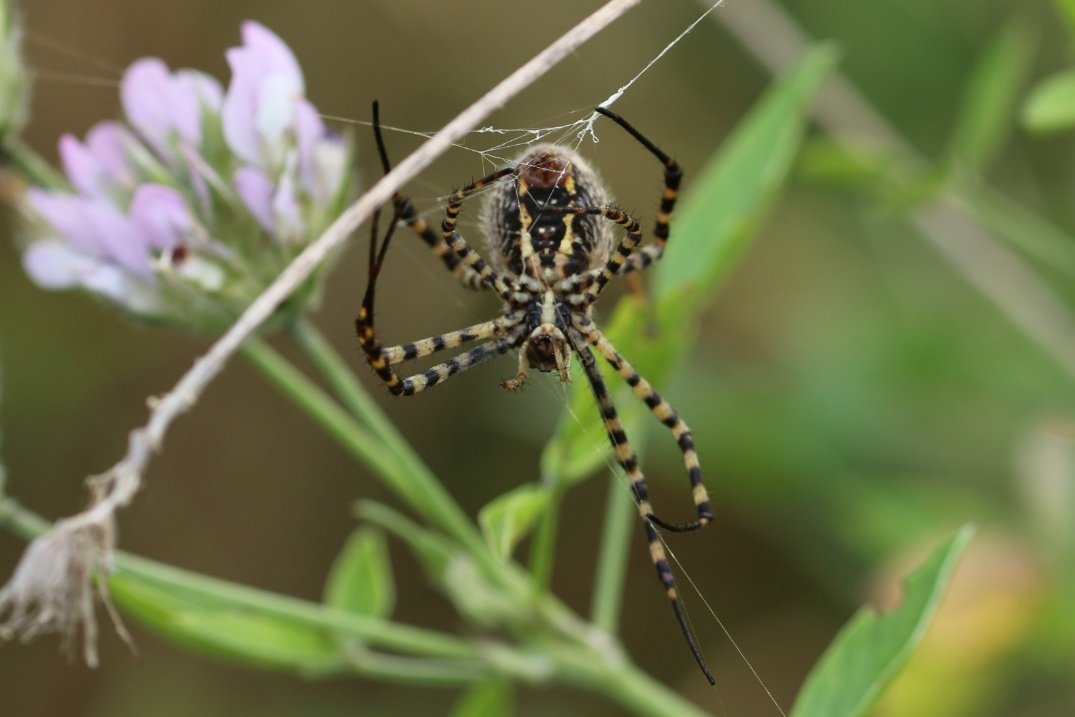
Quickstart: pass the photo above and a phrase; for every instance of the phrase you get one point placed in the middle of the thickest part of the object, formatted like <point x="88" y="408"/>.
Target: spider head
<point x="547" y="350"/>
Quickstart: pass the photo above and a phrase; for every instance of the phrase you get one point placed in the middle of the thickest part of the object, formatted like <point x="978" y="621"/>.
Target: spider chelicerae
<point x="549" y="225"/>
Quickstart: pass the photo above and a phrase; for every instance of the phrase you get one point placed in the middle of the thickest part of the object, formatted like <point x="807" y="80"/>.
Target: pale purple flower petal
<point x="158" y="104"/>
<point x="274" y="116"/>
<point x="330" y="162"/>
<point x="81" y="167"/>
<point x="161" y="216"/>
<point x="259" y="106"/>
<point x="64" y="214"/>
<point x="117" y="235"/>
<point x="99" y="167"/>
<point x="272" y="53"/>
<point x="108" y="142"/>
<point x="239" y="107"/>
<point x="286" y="209"/>
<point x="205" y="87"/>
<point x="54" y="264"/>
<point x="256" y="191"/>
<point x="144" y="218"/>
<point x="308" y="130"/>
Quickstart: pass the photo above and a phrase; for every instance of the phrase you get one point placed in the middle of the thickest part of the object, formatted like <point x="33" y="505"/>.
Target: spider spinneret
<point x="549" y="225"/>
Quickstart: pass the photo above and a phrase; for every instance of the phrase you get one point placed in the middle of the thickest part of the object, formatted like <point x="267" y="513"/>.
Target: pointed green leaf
<point x="164" y="590"/>
<point x="487" y="699"/>
<point x="986" y="114"/>
<point x="871" y="649"/>
<point x="855" y="166"/>
<point x="728" y="200"/>
<point x="1023" y="228"/>
<point x="1051" y="105"/>
<point x="228" y="631"/>
<point x="509" y="518"/>
<point x="361" y="578"/>
<point x="1066" y="8"/>
<point x="448" y="566"/>
<point x="717" y="218"/>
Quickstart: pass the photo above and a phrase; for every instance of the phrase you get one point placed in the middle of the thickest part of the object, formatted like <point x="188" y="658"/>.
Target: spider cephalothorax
<point x="549" y="223"/>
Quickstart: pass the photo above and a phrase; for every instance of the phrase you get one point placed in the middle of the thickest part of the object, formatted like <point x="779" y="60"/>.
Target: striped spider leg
<point x="626" y="457"/>
<point x="549" y="224"/>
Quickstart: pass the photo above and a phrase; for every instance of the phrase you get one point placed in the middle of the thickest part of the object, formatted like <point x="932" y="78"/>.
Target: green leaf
<point x="509" y="518"/>
<point x="728" y="200"/>
<point x="228" y="630"/>
<point x="715" y="222"/>
<point x="856" y="165"/>
<point x="487" y="699"/>
<point x="1023" y="228"/>
<point x="985" y="117"/>
<point x="164" y="590"/>
<point x="871" y="649"/>
<point x="1066" y="8"/>
<point x="449" y="568"/>
<point x="361" y="578"/>
<point x="1051" y="105"/>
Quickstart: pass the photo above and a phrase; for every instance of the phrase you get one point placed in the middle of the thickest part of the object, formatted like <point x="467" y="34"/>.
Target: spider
<point x="549" y="224"/>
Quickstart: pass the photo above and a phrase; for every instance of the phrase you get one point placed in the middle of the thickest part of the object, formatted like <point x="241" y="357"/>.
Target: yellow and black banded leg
<point x="664" y="574"/>
<point x="626" y="457"/>
<point x="440" y="373"/>
<point x="504" y="286"/>
<point x="665" y="414"/>
<point x="621" y="446"/>
<point x="411" y="350"/>
<point x="406" y="213"/>
<point x="673" y="177"/>
<point x="632" y="236"/>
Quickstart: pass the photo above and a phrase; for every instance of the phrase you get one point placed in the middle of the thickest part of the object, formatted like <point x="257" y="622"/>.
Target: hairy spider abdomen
<point x="525" y="238"/>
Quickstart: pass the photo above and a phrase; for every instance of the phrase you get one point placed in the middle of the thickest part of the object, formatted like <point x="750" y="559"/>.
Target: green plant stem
<point x="342" y="380"/>
<point x="411" y="477"/>
<point x="29" y="525"/>
<point x="636" y="691"/>
<point x="543" y="545"/>
<point x="424" y="493"/>
<point x="20" y="521"/>
<point x="620" y="515"/>
<point x="401" y="468"/>
<point x="369" y="629"/>
<point x="387" y="452"/>
<point x="410" y="671"/>
<point x="328" y="415"/>
<point x="31" y="166"/>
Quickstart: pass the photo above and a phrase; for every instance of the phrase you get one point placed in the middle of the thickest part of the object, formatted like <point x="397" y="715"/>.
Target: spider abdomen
<point x="525" y="238"/>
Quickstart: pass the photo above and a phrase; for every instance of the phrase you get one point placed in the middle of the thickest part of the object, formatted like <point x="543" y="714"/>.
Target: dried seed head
<point x="53" y="588"/>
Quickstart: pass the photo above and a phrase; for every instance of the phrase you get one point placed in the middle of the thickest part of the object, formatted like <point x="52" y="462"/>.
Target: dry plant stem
<point x="772" y="36"/>
<point x="124" y="479"/>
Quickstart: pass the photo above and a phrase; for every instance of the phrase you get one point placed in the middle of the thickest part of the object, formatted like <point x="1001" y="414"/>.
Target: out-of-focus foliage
<point x="853" y="398"/>
<point x="870" y="651"/>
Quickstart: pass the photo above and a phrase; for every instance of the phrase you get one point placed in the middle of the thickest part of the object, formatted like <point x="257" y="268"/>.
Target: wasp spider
<point x="549" y="225"/>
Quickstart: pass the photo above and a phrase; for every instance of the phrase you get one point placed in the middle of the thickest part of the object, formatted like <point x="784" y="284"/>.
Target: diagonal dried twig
<point x="51" y="590"/>
<point x="124" y="479"/>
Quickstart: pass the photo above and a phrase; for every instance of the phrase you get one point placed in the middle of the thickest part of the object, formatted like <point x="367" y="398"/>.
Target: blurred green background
<point x="853" y="397"/>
